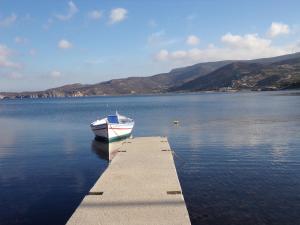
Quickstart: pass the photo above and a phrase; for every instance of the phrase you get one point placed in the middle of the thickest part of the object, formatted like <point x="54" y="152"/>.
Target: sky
<point x="49" y="43"/>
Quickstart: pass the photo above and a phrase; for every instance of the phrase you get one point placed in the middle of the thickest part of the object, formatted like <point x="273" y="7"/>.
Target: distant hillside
<point x="248" y="75"/>
<point x="274" y="73"/>
<point x="133" y="85"/>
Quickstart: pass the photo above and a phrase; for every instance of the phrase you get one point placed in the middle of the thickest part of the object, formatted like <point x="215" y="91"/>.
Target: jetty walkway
<point x="140" y="186"/>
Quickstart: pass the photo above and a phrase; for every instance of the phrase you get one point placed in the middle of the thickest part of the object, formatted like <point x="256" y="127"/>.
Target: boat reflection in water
<point x="105" y="150"/>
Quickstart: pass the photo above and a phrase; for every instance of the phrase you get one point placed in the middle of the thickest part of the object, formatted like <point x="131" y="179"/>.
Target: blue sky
<point x="49" y="43"/>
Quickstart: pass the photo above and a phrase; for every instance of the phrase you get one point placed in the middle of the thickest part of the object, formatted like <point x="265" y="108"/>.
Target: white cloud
<point x="277" y="29"/>
<point x="192" y="40"/>
<point x="117" y="15"/>
<point x="179" y="54"/>
<point x="5" y="55"/>
<point x="162" y="55"/>
<point x="72" y="10"/>
<point x="241" y="47"/>
<point x="64" y="44"/>
<point x="9" y="20"/>
<point x="249" y="41"/>
<point x="55" y="74"/>
<point x="95" y="14"/>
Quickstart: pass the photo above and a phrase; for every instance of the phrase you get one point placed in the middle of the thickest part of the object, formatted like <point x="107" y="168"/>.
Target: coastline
<point x="21" y="96"/>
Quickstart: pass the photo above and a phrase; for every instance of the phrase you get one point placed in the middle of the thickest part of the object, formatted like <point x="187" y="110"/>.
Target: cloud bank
<point x="232" y="46"/>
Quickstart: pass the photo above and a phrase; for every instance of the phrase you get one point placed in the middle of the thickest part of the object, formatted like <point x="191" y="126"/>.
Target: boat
<point x="112" y="128"/>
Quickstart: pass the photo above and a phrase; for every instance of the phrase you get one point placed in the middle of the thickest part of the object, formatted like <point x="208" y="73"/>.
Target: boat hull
<point x="111" y="132"/>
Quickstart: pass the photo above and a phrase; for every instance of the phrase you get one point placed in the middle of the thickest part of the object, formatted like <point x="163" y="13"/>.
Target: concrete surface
<point x="140" y="186"/>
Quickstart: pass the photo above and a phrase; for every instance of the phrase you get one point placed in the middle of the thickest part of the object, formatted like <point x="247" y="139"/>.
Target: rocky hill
<point x="282" y="72"/>
<point x="248" y="75"/>
<point x="133" y="85"/>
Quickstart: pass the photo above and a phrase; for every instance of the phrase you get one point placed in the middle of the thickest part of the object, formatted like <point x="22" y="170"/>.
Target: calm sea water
<point x="237" y="155"/>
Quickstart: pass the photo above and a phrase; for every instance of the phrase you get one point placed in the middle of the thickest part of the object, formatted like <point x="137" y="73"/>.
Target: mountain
<point x="132" y="85"/>
<point x="249" y="75"/>
<point x="274" y="73"/>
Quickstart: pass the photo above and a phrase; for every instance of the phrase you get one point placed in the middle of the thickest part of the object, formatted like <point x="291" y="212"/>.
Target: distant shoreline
<point x="295" y="92"/>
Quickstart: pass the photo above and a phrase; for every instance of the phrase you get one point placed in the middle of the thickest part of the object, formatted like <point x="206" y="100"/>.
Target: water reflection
<point x="106" y="151"/>
<point x="7" y="137"/>
<point x="237" y="155"/>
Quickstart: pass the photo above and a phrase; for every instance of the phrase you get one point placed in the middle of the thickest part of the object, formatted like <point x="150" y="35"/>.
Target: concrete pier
<point x="140" y="186"/>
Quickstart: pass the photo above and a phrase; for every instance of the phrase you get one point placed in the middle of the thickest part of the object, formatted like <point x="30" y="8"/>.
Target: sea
<point x="237" y="154"/>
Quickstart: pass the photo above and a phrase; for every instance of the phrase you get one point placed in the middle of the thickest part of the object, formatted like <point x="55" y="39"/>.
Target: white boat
<point x="113" y="127"/>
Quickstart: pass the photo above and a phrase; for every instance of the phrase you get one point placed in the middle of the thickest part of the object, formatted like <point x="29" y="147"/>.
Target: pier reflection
<point x="104" y="150"/>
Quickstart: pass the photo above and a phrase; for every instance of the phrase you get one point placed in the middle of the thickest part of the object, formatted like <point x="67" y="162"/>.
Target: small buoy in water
<point x="176" y="122"/>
